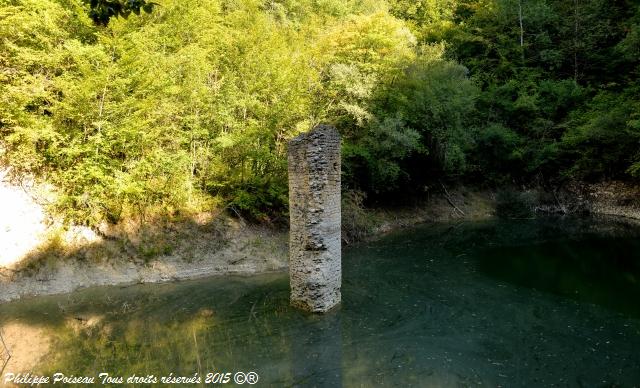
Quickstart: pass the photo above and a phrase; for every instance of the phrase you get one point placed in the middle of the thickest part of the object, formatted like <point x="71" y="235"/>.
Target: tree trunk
<point x="575" y="41"/>
<point x="520" y="19"/>
<point x="521" y="31"/>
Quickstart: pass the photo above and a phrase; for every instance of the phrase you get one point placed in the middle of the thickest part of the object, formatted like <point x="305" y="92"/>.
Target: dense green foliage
<point x="560" y="91"/>
<point x="190" y="107"/>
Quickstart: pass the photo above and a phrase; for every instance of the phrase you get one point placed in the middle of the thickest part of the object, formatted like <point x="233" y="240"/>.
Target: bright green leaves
<point x="361" y="57"/>
<point x="194" y="104"/>
<point x="33" y="57"/>
<point x="392" y="101"/>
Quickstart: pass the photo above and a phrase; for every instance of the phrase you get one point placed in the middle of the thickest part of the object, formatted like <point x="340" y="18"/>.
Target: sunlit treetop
<point x="103" y="10"/>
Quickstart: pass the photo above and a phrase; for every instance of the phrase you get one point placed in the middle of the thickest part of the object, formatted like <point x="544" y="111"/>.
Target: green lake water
<point x="551" y="302"/>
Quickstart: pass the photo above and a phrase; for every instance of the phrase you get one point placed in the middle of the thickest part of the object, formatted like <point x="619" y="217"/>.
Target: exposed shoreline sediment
<point x="227" y="246"/>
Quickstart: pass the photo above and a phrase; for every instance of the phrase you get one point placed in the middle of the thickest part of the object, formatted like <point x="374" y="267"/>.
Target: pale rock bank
<point x="203" y="247"/>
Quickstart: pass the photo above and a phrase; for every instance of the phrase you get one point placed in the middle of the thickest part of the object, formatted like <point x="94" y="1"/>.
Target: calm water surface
<point x="553" y="302"/>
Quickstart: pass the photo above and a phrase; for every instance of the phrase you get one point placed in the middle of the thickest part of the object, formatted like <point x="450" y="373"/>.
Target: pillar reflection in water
<point x="317" y="353"/>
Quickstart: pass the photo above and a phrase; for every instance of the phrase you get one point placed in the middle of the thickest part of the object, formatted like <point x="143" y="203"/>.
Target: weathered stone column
<point x="314" y="208"/>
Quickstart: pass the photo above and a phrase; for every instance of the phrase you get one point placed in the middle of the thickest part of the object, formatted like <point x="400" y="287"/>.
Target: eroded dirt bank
<point x="40" y="256"/>
<point x="614" y="198"/>
<point x="241" y="250"/>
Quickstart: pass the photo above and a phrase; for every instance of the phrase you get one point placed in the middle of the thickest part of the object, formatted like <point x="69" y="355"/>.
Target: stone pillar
<point x="314" y="208"/>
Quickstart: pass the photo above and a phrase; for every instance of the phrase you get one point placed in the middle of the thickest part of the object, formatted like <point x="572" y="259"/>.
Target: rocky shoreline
<point x="246" y="251"/>
<point x="39" y="256"/>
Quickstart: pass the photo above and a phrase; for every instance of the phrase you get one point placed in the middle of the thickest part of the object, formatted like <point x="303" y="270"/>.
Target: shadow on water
<point x="489" y="303"/>
<point x="595" y="270"/>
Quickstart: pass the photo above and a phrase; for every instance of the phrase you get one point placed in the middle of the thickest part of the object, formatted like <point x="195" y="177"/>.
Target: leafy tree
<point x="190" y="107"/>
